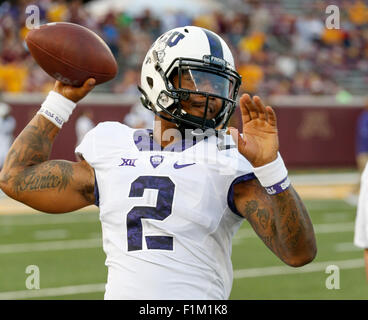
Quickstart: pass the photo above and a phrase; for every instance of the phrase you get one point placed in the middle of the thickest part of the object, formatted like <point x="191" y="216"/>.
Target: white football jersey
<point x="166" y="220"/>
<point x="361" y="221"/>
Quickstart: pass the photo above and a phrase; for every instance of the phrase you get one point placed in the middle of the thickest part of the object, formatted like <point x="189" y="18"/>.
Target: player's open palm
<point x="259" y="143"/>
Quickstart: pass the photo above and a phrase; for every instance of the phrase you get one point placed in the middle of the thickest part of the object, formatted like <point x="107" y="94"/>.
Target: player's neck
<point x="165" y="132"/>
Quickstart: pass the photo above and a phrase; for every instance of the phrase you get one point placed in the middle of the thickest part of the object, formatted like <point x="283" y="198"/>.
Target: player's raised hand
<point x="260" y="142"/>
<point x="74" y="93"/>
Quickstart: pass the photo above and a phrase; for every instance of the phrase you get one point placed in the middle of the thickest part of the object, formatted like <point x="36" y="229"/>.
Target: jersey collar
<point x="143" y="140"/>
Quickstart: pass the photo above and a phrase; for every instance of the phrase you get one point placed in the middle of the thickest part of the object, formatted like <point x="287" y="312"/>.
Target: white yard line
<point x="346" y="247"/>
<point x="51" y="245"/>
<point x="283" y="270"/>
<point x="52" y="292"/>
<point x="334" y="227"/>
<point x="16" y="221"/>
<point x="51" y="234"/>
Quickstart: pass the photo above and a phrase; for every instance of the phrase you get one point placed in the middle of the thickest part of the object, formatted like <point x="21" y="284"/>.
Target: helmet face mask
<point x="174" y="88"/>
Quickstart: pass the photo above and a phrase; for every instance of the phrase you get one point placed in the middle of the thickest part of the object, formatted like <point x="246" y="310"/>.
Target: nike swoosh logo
<point x="179" y="166"/>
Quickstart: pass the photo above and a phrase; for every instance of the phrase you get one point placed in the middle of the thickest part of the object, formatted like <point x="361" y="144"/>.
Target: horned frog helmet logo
<point x="159" y="47"/>
<point x="168" y="39"/>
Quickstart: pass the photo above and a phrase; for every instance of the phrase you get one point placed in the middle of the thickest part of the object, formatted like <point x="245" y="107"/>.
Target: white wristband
<point x="57" y="108"/>
<point x="271" y="173"/>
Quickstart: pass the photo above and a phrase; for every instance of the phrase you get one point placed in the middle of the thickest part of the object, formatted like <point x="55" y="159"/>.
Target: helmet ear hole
<point x="150" y="82"/>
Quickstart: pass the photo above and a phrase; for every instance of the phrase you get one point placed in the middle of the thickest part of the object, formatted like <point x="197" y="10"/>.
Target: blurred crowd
<point x="277" y="52"/>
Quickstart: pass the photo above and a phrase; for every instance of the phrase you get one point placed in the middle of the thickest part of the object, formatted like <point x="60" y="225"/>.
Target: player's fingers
<point x="87" y="86"/>
<point x="58" y="86"/>
<point x="272" y="120"/>
<point x="240" y="143"/>
<point x="262" y="114"/>
<point x="250" y="105"/>
<point x="244" y="110"/>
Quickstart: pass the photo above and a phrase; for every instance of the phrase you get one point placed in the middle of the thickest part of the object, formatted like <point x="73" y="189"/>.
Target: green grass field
<point x="67" y="250"/>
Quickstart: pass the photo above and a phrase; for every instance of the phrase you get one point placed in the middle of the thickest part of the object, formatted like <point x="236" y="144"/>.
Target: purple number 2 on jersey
<point x="166" y="189"/>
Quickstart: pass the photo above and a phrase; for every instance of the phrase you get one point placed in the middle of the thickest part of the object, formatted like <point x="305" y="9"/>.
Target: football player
<point x="171" y="198"/>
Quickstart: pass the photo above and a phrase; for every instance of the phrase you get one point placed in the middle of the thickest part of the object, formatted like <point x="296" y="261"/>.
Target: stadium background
<point x="315" y="78"/>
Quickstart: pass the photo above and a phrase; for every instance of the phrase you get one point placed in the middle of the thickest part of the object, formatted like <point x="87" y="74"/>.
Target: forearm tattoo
<point x="281" y="221"/>
<point x="33" y="145"/>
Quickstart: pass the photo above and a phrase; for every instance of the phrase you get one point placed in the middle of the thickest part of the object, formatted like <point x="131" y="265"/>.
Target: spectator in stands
<point x="110" y="33"/>
<point x="139" y="117"/>
<point x="309" y="27"/>
<point x="358" y="13"/>
<point x="58" y="11"/>
<point x="83" y="124"/>
<point x="128" y="83"/>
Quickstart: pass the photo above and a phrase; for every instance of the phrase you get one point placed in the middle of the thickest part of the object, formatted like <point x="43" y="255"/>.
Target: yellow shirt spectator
<point x="23" y="32"/>
<point x="252" y="76"/>
<point x="332" y="36"/>
<point x="13" y="77"/>
<point x="204" y="21"/>
<point x="358" y="13"/>
<point x="58" y="12"/>
<point x="252" y="43"/>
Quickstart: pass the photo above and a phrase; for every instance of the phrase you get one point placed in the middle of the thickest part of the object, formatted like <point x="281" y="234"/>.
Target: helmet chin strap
<point x="182" y="126"/>
<point x="210" y="123"/>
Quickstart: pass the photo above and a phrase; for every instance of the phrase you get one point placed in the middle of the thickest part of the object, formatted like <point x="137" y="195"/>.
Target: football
<point x="71" y="53"/>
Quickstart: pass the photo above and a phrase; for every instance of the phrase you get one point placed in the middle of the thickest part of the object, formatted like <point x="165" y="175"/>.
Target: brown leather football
<point x="71" y="53"/>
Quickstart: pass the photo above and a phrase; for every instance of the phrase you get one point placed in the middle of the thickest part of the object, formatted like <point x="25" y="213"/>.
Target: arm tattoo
<point x="250" y="207"/>
<point x="263" y="217"/>
<point x="33" y="146"/>
<point x="281" y="221"/>
<point x="294" y="219"/>
<point x="49" y="175"/>
<point x="28" y="176"/>
<point x="259" y="218"/>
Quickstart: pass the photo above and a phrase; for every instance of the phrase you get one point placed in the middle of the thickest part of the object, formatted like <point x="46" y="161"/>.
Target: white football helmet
<point x="206" y="57"/>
